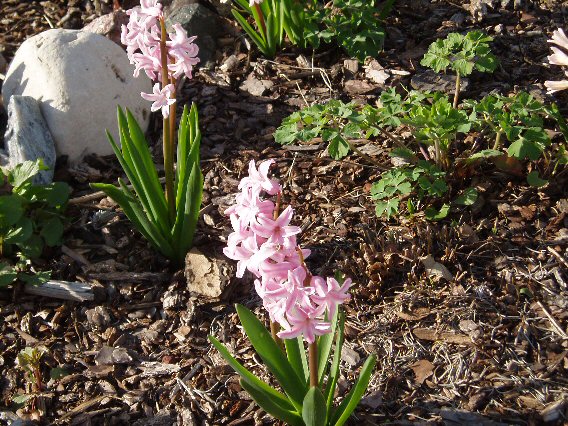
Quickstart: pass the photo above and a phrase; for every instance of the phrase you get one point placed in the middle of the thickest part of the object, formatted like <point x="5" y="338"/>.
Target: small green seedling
<point x="462" y="54"/>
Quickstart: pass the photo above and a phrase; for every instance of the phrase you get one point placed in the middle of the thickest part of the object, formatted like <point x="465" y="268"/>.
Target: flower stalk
<point x="168" y="148"/>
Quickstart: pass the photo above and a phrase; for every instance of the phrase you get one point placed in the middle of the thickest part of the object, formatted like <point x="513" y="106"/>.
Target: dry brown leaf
<point x="446" y="336"/>
<point x="415" y="315"/>
<point x="422" y="370"/>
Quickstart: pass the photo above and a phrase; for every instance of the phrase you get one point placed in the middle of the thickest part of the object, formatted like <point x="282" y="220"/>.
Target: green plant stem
<point x="313" y="363"/>
<point x="457" y="93"/>
<point x="167" y="145"/>
<point x="438" y="153"/>
<point x="261" y="17"/>
<point x="274" y="329"/>
<point x="497" y="140"/>
<point x="312" y="347"/>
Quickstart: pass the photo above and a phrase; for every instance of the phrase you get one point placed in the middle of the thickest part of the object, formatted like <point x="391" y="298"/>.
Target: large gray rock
<point x="198" y="21"/>
<point x="28" y="138"/>
<point x="79" y="78"/>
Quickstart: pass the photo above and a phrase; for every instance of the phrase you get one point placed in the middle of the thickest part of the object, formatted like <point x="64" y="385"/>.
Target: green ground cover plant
<point x="511" y="132"/>
<point x="31" y="218"/>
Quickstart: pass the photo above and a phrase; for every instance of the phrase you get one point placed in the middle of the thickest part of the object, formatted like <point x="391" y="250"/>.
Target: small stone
<point x="109" y="25"/>
<point x="256" y="87"/>
<point x="432" y="81"/>
<point x="208" y="278"/>
<point x="98" y="317"/>
<point x="499" y="29"/>
<point x="78" y="78"/>
<point x="28" y="138"/>
<point x="198" y="21"/>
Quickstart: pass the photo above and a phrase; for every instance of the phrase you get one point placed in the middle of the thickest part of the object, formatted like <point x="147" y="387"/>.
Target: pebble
<point x="28" y="138"/>
<point x="78" y="78"/>
<point x="198" y="21"/>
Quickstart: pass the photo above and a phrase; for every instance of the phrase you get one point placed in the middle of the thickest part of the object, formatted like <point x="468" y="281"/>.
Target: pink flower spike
<point x="258" y="179"/>
<point x="330" y="294"/>
<point x="160" y="98"/>
<point x="558" y="57"/>
<point x="151" y="8"/>
<point x="305" y="322"/>
<point x="559" y="38"/>
<point x="276" y="230"/>
<point x="253" y="2"/>
<point x="556" y="86"/>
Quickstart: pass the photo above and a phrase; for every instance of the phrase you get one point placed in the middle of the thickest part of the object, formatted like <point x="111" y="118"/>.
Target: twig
<point x="557" y="326"/>
<point x="558" y="256"/>
<point x="75" y="291"/>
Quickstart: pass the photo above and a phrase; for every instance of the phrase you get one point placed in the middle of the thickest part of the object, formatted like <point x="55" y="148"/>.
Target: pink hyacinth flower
<point x="253" y="2"/>
<point x="556" y="86"/>
<point x="559" y="38"/>
<point x="558" y="57"/>
<point x="161" y="98"/>
<point x="330" y="294"/>
<point x="277" y="231"/>
<point x="259" y="180"/>
<point x="305" y="322"/>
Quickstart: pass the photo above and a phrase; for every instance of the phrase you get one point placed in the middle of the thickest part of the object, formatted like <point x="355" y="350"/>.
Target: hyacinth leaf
<point x="314" y="410"/>
<point x="146" y="171"/>
<point x="296" y="354"/>
<point x="125" y="159"/>
<point x="183" y="148"/>
<point x="351" y="401"/>
<point x="250" y="378"/>
<point x="189" y="184"/>
<point x="334" y="372"/>
<point x="270" y="405"/>
<point x="324" y="347"/>
<point x="258" y="40"/>
<point x="272" y="356"/>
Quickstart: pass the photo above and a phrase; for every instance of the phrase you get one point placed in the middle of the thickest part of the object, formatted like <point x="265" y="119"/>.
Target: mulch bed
<point x="488" y="346"/>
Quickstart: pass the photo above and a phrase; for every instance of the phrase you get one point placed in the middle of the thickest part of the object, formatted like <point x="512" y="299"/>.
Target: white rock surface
<point x="79" y="78"/>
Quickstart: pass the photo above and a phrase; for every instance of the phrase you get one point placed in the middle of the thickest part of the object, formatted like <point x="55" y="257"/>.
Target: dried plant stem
<point x="167" y="142"/>
<point x="261" y="18"/>
<point x="457" y="92"/>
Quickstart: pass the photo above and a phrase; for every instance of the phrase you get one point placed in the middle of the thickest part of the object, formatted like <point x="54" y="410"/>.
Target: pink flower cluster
<point x="266" y="246"/>
<point x="558" y="57"/>
<point x="142" y="39"/>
